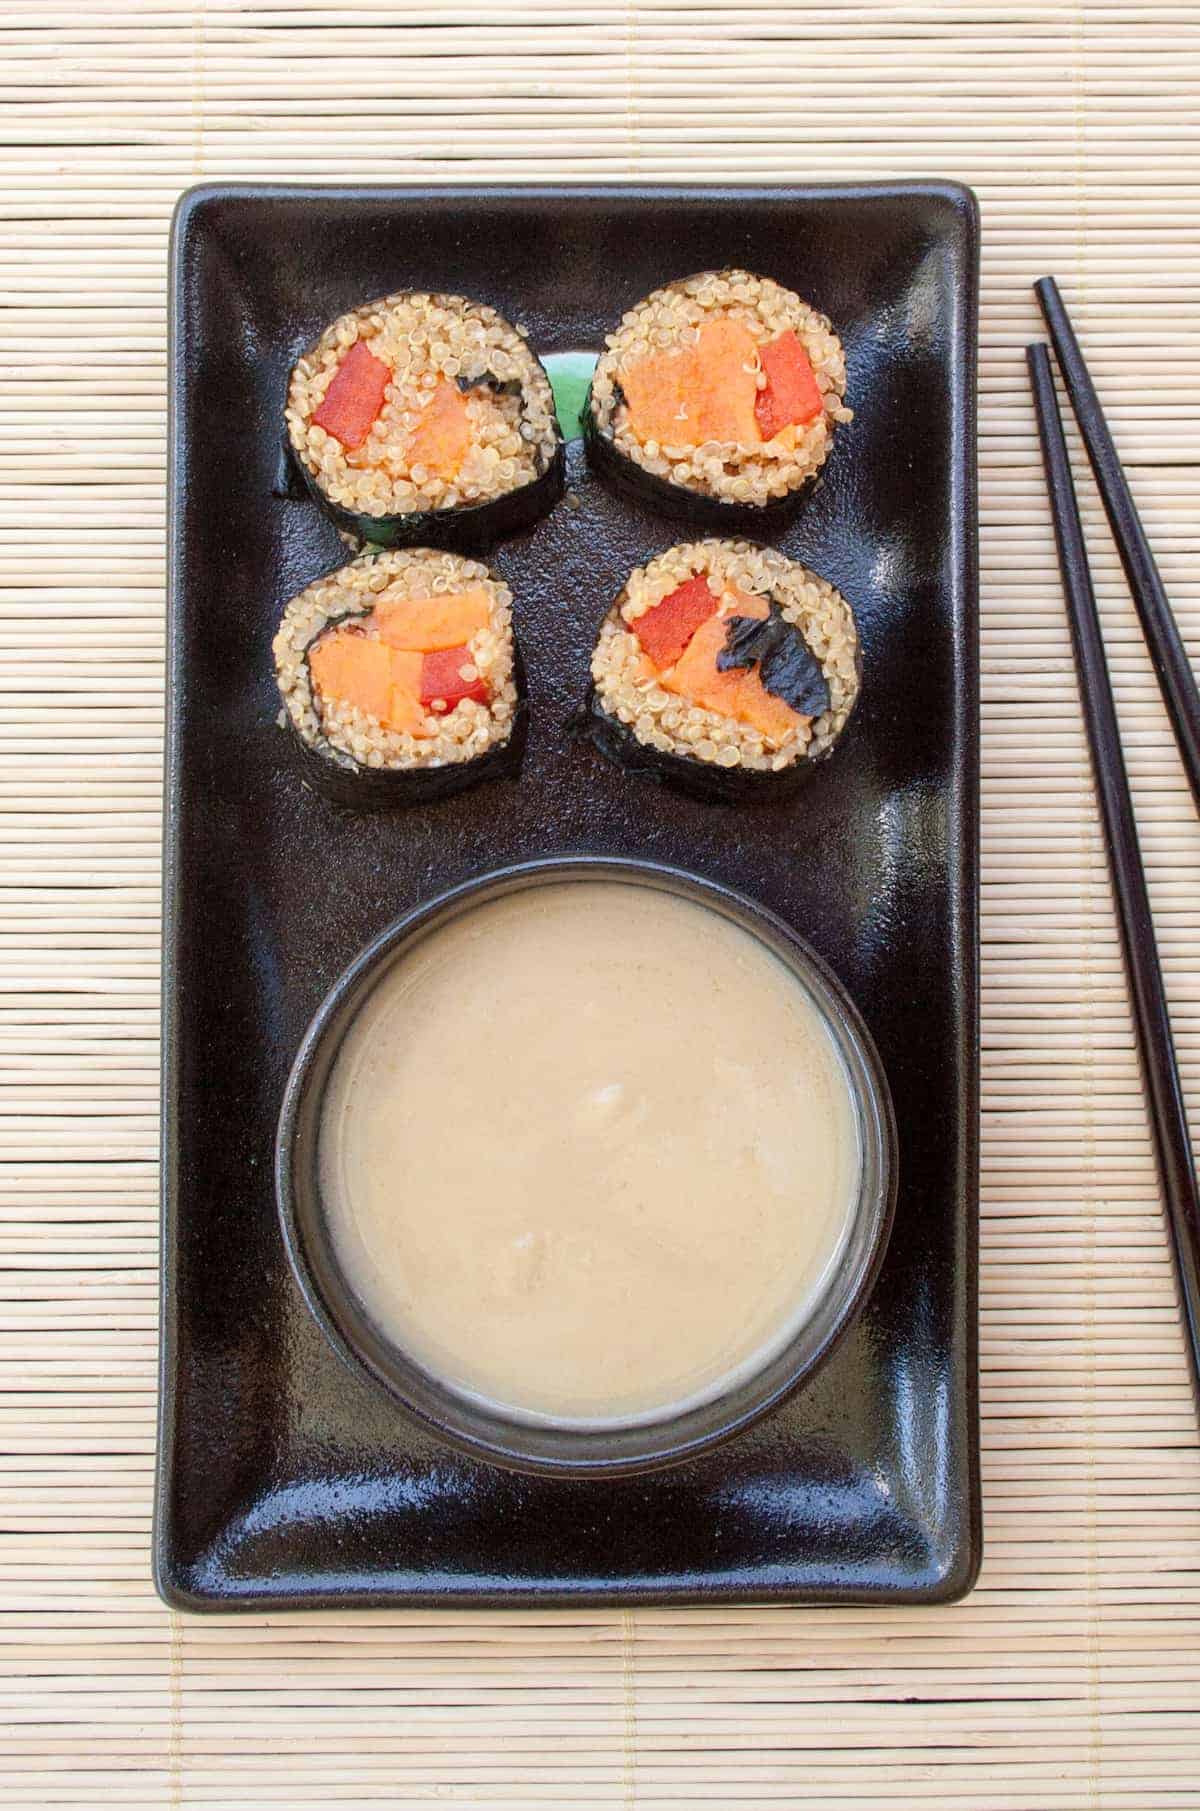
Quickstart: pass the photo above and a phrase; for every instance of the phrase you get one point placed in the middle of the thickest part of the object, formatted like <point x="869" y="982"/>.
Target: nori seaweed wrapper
<point x="786" y="664"/>
<point x="684" y="773"/>
<point x="615" y="468"/>
<point x="347" y="783"/>
<point x="617" y="742"/>
<point x="470" y="528"/>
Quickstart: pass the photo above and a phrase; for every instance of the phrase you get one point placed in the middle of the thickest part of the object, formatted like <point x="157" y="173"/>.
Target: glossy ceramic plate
<point x="283" y="1478"/>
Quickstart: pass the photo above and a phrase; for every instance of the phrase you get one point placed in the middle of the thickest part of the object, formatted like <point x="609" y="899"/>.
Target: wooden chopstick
<point x="1175" y="677"/>
<point x="1160" y="1069"/>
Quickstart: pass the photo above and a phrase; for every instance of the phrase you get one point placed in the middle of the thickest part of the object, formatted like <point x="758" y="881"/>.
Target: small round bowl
<point x="541" y="1445"/>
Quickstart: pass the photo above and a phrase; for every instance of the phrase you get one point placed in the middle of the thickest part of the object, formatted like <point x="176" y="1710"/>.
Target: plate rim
<point x="954" y="1573"/>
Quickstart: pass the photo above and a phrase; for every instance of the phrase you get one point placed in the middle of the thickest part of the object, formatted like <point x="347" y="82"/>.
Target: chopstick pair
<point x="1160" y="1068"/>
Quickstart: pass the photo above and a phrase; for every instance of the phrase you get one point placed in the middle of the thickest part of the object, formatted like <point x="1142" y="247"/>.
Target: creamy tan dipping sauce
<point x="589" y="1152"/>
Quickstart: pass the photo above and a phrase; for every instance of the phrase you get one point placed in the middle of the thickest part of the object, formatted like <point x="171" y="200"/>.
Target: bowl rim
<point x="543" y="1446"/>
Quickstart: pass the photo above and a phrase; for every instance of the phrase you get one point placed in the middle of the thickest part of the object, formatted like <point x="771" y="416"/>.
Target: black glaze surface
<point x="282" y="1480"/>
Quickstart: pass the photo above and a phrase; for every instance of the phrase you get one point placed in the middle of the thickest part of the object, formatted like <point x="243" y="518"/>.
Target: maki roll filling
<point x="425" y="407"/>
<point x="727" y="655"/>
<point x="725" y="386"/>
<point x="401" y="663"/>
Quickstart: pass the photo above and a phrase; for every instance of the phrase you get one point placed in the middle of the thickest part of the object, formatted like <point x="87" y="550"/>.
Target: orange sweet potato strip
<point x="429" y="623"/>
<point x="736" y="693"/>
<point x="693" y="394"/>
<point x="442" y="438"/>
<point x="355" y="669"/>
<point x="352" y="669"/>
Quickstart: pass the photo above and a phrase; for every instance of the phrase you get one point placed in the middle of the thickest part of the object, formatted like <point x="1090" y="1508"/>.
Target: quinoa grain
<point x="660" y="719"/>
<point x="672" y="316"/>
<point x="423" y="339"/>
<point x="351" y="594"/>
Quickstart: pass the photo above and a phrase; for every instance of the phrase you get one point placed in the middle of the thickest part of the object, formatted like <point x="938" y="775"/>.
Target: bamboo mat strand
<point x="1071" y="1678"/>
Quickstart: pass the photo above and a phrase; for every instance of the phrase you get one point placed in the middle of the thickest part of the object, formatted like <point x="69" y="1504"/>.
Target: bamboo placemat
<point x="1072" y="1676"/>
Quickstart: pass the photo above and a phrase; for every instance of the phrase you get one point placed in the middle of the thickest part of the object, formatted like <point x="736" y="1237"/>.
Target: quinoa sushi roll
<point x="725" y="669"/>
<point x="717" y="398"/>
<point x="401" y="678"/>
<point x="426" y="417"/>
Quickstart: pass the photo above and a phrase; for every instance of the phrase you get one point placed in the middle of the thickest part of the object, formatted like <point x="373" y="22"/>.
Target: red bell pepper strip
<point x="442" y="683"/>
<point x="792" y="395"/>
<point x="666" y="629"/>
<point x="353" y="400"/>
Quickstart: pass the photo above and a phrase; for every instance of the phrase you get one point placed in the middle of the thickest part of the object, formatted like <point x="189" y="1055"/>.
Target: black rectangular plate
<point x="283" y="1479"/>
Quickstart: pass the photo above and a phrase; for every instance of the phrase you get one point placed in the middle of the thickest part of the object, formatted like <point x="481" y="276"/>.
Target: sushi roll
<point x="725" y="669"/>
<point x="426" y="417"/>
<point x="401" y="678"/>
<point x="717" y="398"/>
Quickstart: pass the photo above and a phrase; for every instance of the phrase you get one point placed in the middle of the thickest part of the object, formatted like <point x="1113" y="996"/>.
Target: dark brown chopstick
<point x="1175" y="677"/>
<point x="1160" y="1069"/>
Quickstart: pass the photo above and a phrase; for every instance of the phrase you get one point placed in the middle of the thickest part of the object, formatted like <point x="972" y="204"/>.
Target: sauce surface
<point x="589" y="1152"/>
